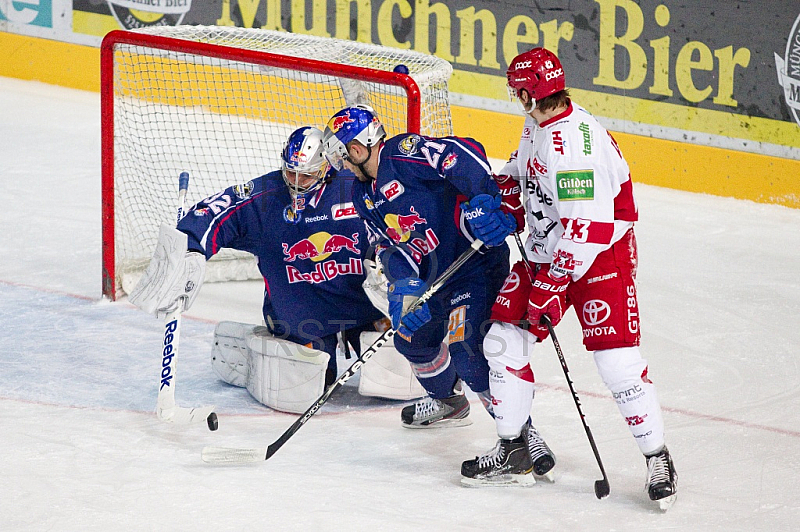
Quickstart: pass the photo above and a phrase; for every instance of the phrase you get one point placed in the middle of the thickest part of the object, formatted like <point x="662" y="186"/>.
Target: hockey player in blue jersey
<point x="410" y="191"/>
<point x="310" y="245"/>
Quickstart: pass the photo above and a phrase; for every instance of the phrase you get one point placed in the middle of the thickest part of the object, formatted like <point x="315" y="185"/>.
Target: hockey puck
<point x="401" y="69"/>
<point x="213" y="422"/>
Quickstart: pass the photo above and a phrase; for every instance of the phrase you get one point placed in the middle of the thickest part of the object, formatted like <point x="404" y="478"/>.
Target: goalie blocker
<point x="289" y="377"/>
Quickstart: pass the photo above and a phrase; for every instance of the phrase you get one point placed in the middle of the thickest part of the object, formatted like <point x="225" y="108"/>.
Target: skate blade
<point x="522" y="481"/>
<point x="445" y="424"/>
<point x="667" y="502"/>
<point x="549" y="477"/>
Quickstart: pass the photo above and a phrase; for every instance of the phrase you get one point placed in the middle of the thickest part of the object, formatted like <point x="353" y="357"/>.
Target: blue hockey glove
<point x="487" y="220"/>
<point x="402" y="295"/>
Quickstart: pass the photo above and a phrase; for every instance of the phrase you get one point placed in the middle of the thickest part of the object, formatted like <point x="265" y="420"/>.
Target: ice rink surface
<point x="83" y="450"/>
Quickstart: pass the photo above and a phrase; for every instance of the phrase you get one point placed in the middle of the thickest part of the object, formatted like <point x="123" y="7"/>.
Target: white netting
<point x="226" y="120"/>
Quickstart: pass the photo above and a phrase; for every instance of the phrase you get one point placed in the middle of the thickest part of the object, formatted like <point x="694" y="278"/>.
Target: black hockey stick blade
<point x="601" y="488"/>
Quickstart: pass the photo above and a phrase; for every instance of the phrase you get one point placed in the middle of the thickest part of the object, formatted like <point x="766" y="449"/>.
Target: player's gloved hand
<point x="512" y="199"/>
<point x="173" y="278"/>
<point x="402" y="294"/>
<point x="548" y="296"/>
<point x="487" y="220"/>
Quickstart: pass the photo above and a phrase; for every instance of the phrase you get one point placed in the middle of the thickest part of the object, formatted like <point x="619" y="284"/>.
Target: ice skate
<point x="542" y="457"/>
<point x="507" y="464"/>
<point x="662" y="479"/>
<point x="430" y="413"/>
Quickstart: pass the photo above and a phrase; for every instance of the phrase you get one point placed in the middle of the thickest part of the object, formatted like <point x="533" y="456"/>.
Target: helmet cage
<point x="303" y="155"/>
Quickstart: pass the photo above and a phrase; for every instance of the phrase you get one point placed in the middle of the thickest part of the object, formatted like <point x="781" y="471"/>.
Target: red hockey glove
<point x="548" y="296"/>
<point x="512" y="200"/>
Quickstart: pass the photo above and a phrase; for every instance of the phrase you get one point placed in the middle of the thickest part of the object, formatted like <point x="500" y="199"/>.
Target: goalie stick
<point x="601" y="487"/>
<point x="166" y="409"/>
<point x="228" y="455"/>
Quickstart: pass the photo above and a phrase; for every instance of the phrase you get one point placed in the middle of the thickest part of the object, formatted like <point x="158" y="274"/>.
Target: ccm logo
<point x="554" y="74"/>
<point x="522" y="64"/>
<point x="343" y="211"/>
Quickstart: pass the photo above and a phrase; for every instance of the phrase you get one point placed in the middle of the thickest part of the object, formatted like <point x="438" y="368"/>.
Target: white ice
<point x="83" y="450"/>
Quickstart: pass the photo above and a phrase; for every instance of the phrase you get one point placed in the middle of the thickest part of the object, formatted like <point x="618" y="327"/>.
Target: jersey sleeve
<point x="230" y="218"/>
<point x="463" y="163"/>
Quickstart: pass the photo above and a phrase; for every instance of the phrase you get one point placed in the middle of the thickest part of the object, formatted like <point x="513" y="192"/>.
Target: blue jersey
<point x="312" y="263"/>
<point x="413" y="207"/>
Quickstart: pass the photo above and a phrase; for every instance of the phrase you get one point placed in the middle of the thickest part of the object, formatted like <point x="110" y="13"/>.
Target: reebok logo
<point x="474" y="214"/>
<point x="167" y="355"/>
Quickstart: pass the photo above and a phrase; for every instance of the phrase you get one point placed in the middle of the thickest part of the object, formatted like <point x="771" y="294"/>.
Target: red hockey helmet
<point x="538" y="71"/>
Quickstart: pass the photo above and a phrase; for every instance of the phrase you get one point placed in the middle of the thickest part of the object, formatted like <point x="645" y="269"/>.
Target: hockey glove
<point x="173" y="278"/>
<point x="548" y="296"/>
<point x="402" y="295"/>
<point x="487" y="220"/>
<point x="512" y="200"/>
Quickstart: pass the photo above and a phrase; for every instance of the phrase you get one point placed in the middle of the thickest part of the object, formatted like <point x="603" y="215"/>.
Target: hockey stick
<point x="601" y="487"/>
<point x="227" y="455"/>
<point x="166" y="409"/>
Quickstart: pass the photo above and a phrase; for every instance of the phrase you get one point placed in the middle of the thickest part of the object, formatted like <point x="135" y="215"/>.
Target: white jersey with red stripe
<point x="579" y="195"/>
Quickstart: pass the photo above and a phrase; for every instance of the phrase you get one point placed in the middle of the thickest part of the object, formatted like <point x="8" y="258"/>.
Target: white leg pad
<point x="387" y="374"/>
<point x="229" y="351"/>
<point x="624" y="372"/>
<point x="507" y="349"/>
<point x="283" y="375"/>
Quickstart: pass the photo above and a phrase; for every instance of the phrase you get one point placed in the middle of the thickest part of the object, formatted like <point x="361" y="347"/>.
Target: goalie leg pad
<point x="229" y="358"/>
<point x="387" y="374"/>
<point x="284" y="375"/>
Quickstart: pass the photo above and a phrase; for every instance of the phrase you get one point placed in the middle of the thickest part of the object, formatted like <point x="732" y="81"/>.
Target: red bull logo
<point x="317" y="248"/>
<point x="449" y="162"/>
<point x="338" y="122"/>
<point x="320" y="246"/>
<point x="400" y="226"/>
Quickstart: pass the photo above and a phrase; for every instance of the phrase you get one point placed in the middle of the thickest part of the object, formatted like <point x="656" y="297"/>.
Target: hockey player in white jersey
<point x="582" y="252"/>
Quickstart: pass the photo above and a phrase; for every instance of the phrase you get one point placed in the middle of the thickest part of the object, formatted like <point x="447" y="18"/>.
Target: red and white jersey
<point x="579" y="196"/>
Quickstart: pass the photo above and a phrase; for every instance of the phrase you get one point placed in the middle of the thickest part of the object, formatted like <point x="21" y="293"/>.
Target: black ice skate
<point x="662" y="479"/>
<point x="508" y="464"/>
<point x="542" y="457"/>
<point x="428" y="413"/>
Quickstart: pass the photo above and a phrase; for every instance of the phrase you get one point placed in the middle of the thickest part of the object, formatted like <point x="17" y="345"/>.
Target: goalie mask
<point x="538" y="72"/>
<point x="303" y="165"/>
<point x="352" y="123"/>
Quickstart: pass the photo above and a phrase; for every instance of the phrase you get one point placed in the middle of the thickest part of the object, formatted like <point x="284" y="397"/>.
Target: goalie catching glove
<point x="173" y="278"/>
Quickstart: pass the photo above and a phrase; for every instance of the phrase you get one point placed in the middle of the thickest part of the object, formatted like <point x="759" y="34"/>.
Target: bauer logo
<point x="29" y="12"/>
<point x="789" y="70"/>
<point x="575" y="185"/>
<point x="133" y="14"/>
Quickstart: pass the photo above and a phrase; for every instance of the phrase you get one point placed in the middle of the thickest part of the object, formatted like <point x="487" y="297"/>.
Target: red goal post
<point x="219" y="102"/>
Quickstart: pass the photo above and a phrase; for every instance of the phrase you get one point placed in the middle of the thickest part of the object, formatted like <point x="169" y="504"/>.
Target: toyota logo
<point x="511" y="283"/>
<point x="595" y="312"/>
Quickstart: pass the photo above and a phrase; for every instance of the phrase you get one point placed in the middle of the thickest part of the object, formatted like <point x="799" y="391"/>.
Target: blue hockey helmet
<point x="304" y="167"/>
<point x="351" y="123"/>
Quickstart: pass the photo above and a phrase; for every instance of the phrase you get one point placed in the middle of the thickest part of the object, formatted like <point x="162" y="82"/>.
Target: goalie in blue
<point x="310" y="244"/>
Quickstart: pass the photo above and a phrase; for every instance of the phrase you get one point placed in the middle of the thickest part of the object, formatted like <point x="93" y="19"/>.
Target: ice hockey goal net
<point x="219" y="102"/>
